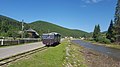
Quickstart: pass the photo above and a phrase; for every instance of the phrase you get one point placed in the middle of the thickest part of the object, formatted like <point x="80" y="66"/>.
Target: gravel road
<point x="13" y="50"/>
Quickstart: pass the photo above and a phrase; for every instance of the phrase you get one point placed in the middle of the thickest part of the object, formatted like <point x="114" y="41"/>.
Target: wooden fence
<point x="18" y="41"/>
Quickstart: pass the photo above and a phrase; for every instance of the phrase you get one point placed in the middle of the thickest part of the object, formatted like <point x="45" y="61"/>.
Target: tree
<point x="110" y="33"/>
<point x="96" y="32"/>
<point x="117" y="22"/>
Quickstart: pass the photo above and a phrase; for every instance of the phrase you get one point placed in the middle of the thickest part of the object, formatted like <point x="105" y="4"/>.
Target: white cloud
<point x="91" y="1"/>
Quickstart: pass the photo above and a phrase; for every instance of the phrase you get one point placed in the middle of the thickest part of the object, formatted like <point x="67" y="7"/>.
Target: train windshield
<point x="47" y="36"/>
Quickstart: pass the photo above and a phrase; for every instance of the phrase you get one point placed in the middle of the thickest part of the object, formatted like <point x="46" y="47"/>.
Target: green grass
<point x="52" y="57"/>
<point x="75" y="58"/>
<point x="113" y="46"/>
<point x="55" y="57"/>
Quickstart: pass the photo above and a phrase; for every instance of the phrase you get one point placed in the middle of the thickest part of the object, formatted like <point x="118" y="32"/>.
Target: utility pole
<point x="22" y="30"/>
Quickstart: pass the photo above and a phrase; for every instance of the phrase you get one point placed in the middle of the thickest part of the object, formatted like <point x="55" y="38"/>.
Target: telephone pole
<point x="22" y="30"/>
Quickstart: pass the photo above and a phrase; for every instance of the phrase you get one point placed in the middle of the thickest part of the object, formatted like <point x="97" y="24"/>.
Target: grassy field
<point x="64" y="55"/>
<point x="51" y="57"/>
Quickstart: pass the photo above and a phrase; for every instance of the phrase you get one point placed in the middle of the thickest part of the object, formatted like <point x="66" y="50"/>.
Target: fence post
<point x="18" y="41"/>
<point x="2" y="42"/>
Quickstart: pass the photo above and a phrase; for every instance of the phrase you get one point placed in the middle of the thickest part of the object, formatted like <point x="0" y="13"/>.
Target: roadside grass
<point x="74" y="57"/>
<point x="51" y="57"/>
<point x="113" y="46"/>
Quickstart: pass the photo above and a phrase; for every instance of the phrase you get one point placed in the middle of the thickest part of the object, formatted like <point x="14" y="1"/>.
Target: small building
<point x="32" y="33"/>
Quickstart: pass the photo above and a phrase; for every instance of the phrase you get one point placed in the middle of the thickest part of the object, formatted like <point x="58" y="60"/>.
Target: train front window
<point x="47" y="36"/>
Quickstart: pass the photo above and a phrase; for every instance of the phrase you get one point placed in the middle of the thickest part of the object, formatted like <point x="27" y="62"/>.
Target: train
<point x="51" y="39"/>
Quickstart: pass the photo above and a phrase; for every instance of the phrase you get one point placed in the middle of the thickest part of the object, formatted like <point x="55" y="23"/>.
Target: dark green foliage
<point x="117" y="22"/>
<point x="96" y="32"/>
<point x="110" y="33"/>
<point x="84" y="36"/>
<point x="45" y="27"/>
<point x="98" y="37"/>
<point x="101" y="39"/>
<point x="10" y="27"/>
<point x="98" y="29"/>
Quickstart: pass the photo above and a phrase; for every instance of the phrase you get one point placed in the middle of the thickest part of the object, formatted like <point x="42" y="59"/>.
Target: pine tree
<point x="110" y="33"/>
<point x="98" y="29"/>
<point x="96" y="32"/>
<point x="117" y="22"/>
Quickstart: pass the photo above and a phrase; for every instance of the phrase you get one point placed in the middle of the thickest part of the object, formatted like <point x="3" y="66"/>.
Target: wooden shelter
<point x="32" y="33"/>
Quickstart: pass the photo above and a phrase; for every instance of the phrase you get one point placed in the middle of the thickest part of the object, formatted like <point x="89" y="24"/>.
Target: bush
<point x="107" y="41"/>
<point x="103" y="40"/>
<point x="90" y="39"/>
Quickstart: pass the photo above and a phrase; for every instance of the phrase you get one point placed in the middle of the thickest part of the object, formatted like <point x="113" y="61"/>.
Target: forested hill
<point x="44" y="27"/>
<point x="9" y="28"/>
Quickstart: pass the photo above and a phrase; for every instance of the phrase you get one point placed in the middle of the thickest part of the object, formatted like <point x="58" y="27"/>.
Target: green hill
<point x="9" y="27"/>
<point x="44" y="27"/>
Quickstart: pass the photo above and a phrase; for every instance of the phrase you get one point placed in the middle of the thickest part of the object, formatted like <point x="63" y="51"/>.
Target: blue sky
<point x="73" y="14"/>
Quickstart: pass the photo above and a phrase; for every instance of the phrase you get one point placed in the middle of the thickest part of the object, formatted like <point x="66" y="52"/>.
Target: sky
<point x="73" y="14"/>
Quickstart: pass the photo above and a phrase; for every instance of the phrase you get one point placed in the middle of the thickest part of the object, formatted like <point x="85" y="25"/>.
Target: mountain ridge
<point x="9" y="25"/>
<point x="50" y="27"/>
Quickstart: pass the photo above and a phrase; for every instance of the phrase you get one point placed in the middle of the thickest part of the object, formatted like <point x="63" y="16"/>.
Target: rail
<point x="10" y="59"/>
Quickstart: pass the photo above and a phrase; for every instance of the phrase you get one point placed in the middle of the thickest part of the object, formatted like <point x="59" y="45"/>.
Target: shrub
<point x="103" y="40"/>
<point x="107" y="41"/>
<point x="90" y="39"/>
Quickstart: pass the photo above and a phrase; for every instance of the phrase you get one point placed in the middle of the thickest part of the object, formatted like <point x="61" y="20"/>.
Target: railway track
<point x="10" y="59"/>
